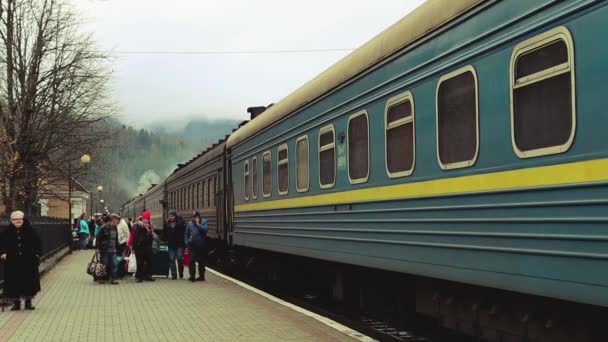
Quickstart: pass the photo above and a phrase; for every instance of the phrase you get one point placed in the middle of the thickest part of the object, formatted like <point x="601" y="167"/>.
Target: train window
<point x="457" y="119"/>
<point x="302" y="164"/>
<point x="254" y="178"/>
<point x="266" y="174"/>
<point x="209" y="191"/>
<point x="543" y="110"/>
<point x="205" y="200"/>
<point x="246" y="182"/>
<point x="212" y="180"/>
<point x="202" y="194"/>
<point x="283" y="169"/>
<point x="399" y="138"/>
<point x="327" y="157"/>
<point x="358" y="148"/>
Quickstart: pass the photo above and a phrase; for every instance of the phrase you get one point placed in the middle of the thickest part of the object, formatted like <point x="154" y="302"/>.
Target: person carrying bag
<point x="195" y="237"/>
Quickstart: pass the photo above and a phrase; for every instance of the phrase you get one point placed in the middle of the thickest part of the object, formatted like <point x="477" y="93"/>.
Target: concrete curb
<point x="324" y="320"/>
<point x="52" y="260"/>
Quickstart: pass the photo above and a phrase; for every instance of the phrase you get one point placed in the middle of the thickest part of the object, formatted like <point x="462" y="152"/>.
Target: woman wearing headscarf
<point x="143" y="236"/>
<point x="20" y="249"/>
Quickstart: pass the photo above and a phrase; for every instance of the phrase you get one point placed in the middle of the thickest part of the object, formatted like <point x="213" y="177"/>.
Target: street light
<point x="99" y="190"/>
<point x="85" y="159"/>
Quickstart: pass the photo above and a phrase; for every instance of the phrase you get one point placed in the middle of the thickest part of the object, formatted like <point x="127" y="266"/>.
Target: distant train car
<point x="129" y="209"/>
<point x="465" y="143"/>
<point x="198" y="185"/>
<point x="139" y="205"/>
<point x="154" y="202"/>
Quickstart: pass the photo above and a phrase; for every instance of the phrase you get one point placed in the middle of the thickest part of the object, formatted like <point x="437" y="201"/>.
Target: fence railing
<point x="54" y="233"/>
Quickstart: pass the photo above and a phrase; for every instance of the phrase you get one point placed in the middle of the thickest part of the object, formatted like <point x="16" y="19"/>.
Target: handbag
<point x="92" y="264"/>
<point x="96" y="268"/>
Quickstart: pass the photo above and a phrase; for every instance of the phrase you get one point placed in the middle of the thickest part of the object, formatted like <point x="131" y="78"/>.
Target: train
<point x="461" y="148"/>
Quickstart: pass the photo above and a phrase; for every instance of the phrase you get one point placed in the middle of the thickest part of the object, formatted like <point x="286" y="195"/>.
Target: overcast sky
<point x="157" y="87"/>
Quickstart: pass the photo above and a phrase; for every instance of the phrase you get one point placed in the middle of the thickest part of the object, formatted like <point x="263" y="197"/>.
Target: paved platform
<point x="73" y="308"/>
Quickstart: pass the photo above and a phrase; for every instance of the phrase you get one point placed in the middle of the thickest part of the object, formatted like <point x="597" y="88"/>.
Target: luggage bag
<point x="160" y="262"/>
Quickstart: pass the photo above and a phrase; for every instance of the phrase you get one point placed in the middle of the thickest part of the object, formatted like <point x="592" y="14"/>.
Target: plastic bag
<point x="132" y="264"/>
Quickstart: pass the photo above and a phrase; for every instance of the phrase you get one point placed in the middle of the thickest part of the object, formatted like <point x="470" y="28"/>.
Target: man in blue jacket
<point x="195" y="237"/>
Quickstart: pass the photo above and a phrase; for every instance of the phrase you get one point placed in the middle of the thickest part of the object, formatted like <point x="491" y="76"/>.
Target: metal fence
<point x="54" y="233"/>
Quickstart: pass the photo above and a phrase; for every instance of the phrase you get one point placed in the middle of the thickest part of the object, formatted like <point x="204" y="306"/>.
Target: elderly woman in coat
<point x="20" y="250"/>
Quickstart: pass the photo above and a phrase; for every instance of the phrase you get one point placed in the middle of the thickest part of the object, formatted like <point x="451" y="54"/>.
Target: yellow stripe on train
<point x="569" y="173"/>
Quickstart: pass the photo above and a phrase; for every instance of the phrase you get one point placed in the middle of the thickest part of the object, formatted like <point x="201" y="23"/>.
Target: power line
<point x="243" y="52"/>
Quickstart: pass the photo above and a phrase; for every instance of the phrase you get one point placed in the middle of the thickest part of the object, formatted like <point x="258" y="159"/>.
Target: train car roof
<point x="428" y="17"/>
<point x="154" y="188"/>
<point x="212" y="152"/>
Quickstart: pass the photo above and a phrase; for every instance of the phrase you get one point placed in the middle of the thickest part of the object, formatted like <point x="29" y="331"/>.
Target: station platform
<point x="71" y="307"/>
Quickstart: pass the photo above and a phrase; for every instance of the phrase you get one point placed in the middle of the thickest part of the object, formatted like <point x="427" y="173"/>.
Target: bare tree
<point x="53" y="97"/>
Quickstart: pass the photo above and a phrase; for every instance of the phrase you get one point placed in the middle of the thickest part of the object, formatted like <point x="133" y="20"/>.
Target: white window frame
<point x="366" y="178"/>
<point x="254" y="192"/>
<point x="393" y="101"/>
<point x="246" y="173"/>
<point x="322" y="130"/>
<point x="279" y="163"/>
<point x="267" y="153"/>
<point x="302" y="138"/>
<point x="559" y="33"/>
<point x="448" y="76"/>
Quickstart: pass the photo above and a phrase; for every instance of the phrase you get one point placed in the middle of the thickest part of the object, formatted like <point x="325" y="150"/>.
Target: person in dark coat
<point x="107" y="247"/>
<point x="20" y="250"/>
<point x="173" y="234"/>
<point x="195" y="237"/>
<point x="143" y="236"/>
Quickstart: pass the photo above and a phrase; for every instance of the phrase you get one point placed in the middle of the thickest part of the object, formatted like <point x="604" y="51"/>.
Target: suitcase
<point x="160" y="263"/>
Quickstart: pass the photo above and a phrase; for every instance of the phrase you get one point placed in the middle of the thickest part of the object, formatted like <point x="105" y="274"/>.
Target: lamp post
<point x="85" y="159"/>
<point x="99" y="190"/>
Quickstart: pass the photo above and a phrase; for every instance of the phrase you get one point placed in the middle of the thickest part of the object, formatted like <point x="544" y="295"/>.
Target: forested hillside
<point x="139" y="158"/>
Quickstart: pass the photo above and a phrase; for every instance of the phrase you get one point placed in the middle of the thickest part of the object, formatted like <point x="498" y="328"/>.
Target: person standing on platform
<point x="173" y="234"/>
<point x="92" y="223"/>
<point x="142" y="246"/>
<point x="84" y="232"/>
<point x="20" y="250"/>
<point x="123" y="236"/>
<point x="107" y="246"/>
<point x="195" y="237"/>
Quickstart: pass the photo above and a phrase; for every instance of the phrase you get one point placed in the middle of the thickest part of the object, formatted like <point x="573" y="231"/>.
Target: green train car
<point x="463" y="146"/>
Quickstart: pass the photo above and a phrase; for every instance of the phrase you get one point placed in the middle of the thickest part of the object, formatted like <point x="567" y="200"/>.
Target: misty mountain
<point x="203" y="130"/>
<point x="146" y="156"/>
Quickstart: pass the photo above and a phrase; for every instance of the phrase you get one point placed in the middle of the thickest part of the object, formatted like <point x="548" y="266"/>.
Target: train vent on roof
<point x="255" y="111"/>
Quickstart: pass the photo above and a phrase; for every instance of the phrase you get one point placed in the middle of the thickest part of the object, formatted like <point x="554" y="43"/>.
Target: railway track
<point x="414" y="329"/>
